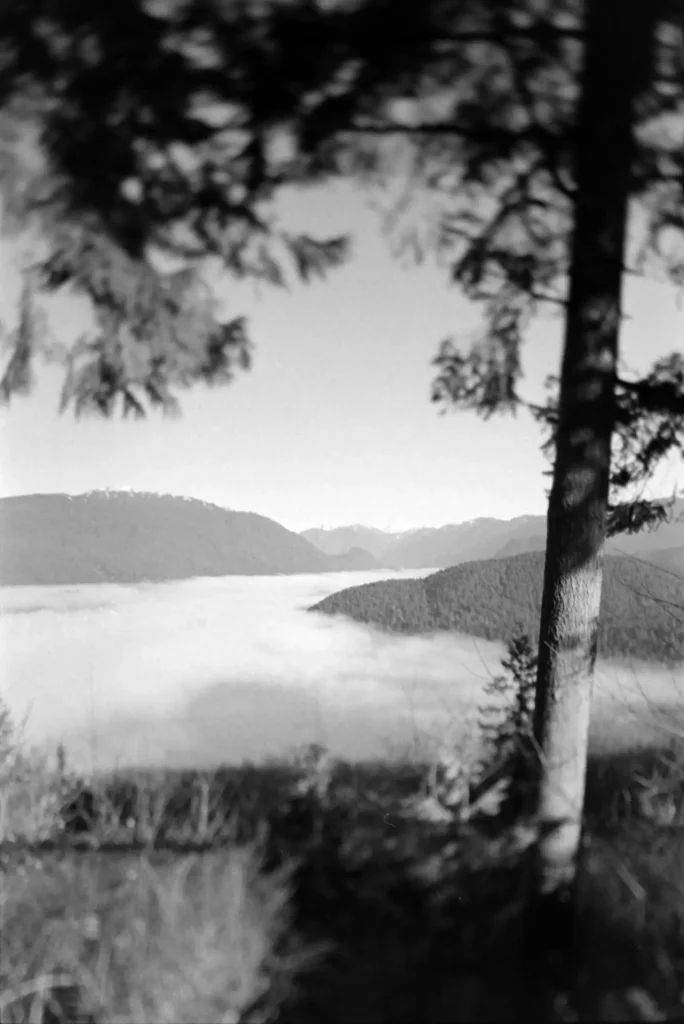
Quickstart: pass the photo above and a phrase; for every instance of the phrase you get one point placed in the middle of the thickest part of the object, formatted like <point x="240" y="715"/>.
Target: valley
<point x="146" y="629"/>
<point x="218" y="670"/>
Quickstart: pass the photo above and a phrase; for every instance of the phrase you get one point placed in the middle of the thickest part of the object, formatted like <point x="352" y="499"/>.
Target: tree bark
<point x="618" y="44"/>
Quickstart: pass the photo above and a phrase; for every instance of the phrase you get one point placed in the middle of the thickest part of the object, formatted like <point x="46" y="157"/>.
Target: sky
<point x="333" y="425"/>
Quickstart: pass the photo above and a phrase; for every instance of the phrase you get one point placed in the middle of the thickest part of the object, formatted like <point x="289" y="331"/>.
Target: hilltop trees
<point x="497" y="599"/>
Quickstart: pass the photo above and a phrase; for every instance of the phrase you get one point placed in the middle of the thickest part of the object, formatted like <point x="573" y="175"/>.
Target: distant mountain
<point x="424" y="547"/>
<point x="454" y="544"/>
<point x="341" y="539"/>
<point x="128" y="537"/>
<point x="519" y="545"/>
<point x="642" y="608"/>
<point x="462" y="542"/>
<point x="355" y="559"/>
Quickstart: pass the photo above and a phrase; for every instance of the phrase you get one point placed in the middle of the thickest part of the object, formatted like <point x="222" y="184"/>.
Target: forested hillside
<point x="128" y="537"/>
<point x="642" y="612"/>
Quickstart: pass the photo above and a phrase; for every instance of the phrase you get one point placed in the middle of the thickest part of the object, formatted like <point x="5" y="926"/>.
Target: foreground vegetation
<point x="289" y="892"/>
<point x="641" y="606"/>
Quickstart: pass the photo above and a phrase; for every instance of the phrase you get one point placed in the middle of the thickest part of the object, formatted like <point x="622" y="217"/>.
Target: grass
<point x="159" y="938"/>
<point x="188" y="896"/>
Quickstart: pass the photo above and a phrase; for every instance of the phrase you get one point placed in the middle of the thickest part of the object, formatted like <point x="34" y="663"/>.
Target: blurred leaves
<point x="484" y="379"/>
<point x="648" y="428"/>
<point x="135" y="139"/>
<point x="173" y="129"/>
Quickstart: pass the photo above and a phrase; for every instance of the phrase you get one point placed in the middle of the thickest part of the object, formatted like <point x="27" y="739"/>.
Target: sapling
<point x="506" y="719"/>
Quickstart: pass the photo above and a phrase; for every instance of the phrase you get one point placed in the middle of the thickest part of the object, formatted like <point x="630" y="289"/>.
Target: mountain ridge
<point x="136" y="536"/>
<point x="129" y="536"/>
<point x="482" y="538"/>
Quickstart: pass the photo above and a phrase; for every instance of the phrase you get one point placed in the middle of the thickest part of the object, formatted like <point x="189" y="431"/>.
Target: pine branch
<point x="636" y="516"/>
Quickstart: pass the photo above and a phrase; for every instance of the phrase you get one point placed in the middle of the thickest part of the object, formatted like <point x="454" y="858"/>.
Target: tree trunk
<point x="616" y="58"/>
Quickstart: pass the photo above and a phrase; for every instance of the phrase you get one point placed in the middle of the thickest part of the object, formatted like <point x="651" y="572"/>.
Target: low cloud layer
<point x="212" y="670"/>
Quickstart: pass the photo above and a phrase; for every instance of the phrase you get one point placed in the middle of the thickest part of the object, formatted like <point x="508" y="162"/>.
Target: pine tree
<point x="527" y="133"/>
<point x="506" y="720"/>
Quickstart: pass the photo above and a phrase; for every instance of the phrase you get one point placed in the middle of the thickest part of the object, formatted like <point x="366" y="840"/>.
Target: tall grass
<point x="132" y="933"/>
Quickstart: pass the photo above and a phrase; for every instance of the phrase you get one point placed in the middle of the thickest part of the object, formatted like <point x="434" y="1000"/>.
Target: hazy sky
<point x="333" y="424"/>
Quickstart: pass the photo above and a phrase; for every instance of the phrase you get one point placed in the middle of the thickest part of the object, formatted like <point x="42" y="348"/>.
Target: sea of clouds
<point x="205" y="671"/>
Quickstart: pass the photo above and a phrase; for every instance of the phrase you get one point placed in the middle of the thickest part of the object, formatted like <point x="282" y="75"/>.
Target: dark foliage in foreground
<point x="405" y="942"/>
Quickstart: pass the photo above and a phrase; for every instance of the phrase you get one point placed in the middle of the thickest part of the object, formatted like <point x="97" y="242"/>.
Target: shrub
<point x="506" y="720"/>
<point x="30" y="791"/>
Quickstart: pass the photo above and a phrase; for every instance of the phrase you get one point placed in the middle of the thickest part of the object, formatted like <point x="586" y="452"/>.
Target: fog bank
<point x="205" y="671"/>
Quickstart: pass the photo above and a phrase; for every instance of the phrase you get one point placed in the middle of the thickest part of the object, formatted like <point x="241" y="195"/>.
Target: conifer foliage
<point x="113" y="162"/>
<point x="506" y="718"/>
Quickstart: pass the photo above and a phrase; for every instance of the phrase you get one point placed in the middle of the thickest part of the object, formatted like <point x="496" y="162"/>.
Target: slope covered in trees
<point x="120" y="537"/>
<point x="642" y="609"/>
